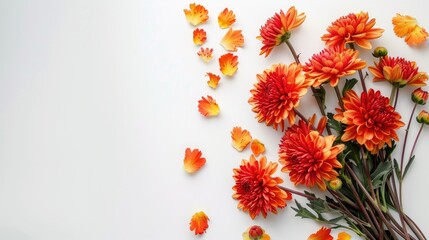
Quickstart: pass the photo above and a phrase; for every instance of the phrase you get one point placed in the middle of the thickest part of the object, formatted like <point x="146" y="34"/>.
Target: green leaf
<point x="408" y="165"/>
<point x="334" y="124"/>
<point x="397" y="171"/>
<point x="379" y="176"/>
<point x="321" y="94"/>
<point x="303" y="212"/>
<point x="319" y="206"/>
<point x="335" y="220"/>
<point x="350" y="83"/>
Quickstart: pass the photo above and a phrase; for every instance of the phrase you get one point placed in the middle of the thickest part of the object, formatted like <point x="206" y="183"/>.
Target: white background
<point x="98" y="102"/>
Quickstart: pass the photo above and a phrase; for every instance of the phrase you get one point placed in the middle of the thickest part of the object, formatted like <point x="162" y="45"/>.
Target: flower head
<point x="370" y="120"/>
<point x="423" y="117"/>
<point x="199" y="223"/>
<point x="226" y="18"/>
<point x="322" y="234"/>
<point x="255" y="233"/>
<point x="277" y="93"/>
<point x="353" y="28"/>
<point x="277" y="29"/>
<point x="196" y="14"/>
<point x="309" y="158"/>
<point x="199" y="36"/>
<point x="406" y="26"/>
<point x="208" y="107"/>
<point x="213" y="80"/>
<point x="256" y="190"/>
<point x="257" y="147"/>
<point x="419" y="96"/>
<point x="399" y="72"/>
<point x="228" y="64"/>
<point x="232" y="40"/>
<point x="240" y="138"/>
<point x="206" y="54"/>
<point x="193" y="160"/>
<point x="331" y="64"/>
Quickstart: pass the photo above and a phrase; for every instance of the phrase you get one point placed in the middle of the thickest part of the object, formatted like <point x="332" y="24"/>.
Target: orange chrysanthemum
<point x="226" y="18"/>
<point x="228" y="64"/>
<point x="240" y="138"/>
<point x="196" y="14"/>
<point x="309" y="157"/>
<point x="193" y="161"/>
<point x="257" y="147"/>
<point x="256" y="190"/>
<point x="199" y="36"/>
<point x="353" y="28"/>
<point x="331" y="64"/>
<point x="322" y="234"/>
<point x="199" y="223"/>
<point x="406" y="26"/>
<point x="213" y="80"/>
<point x="370" y="120"/>
<point x="277" y="93"/>
<point x="208" y="107"/>
<point x="206" y="54"/>
<point x="399" y="72"/>
<point x="277" y="29"/>
<point x="232" y="40"/>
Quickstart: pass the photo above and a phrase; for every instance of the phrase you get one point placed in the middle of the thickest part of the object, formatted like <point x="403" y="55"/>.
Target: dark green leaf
<point x="350" y="83"/>
<point x="380" y="174"/>
<point x="334" y="124"/>
<point x="320" y="93"/>
<point x="397" y="171"/>
<point x="408" y="165"/>
<point x="319" y="205"/>
<point x="335" y="220"/>
<point x="303" y="212"/>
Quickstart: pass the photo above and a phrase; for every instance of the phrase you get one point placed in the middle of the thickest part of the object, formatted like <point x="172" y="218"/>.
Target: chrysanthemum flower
<point x="257" y="147"/>
<point x="353" y="28"/>
<point x="196" y="14"/>
<point x="206" y="54"/>
<point x="232" y="40"/>
<point x="277" y="93"/>
<point x="256" y="190"/>
<point x="322" y="234"/>
<point x="193" y="161"/>
<point x="308" y="157"/>
<point x="208" y="107"/>
<point x="255" y="233"/>
<point x="199" y="36"/>
<point x="199" y="223"/>
<point x="406" y="26"/>
<point x="277" y="29"/>
<point x="228" y="64"/>
<point x="226" y="18"/>
<point x="331" y="64"/>
<point x="240" y="138"/>
<point x="370" y="120"/>
<point x="213" y="80"/>
<point x="399" y="72"/>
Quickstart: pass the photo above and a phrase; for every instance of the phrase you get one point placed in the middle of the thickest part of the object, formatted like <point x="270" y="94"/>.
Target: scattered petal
<point x="193" y="160"/>
<point x="196" y="14"/>
<point x="232" y="40"/>
<point x="322" y="234"/>
<point x="240" y="138"/>
<point x="199" y="223"/>
<point x="200" y="36"/>
<point x="228" y="64"/>
<point x="213" y="80"/>
<point x="417" y="36"/>
<point x="206" y="54"/>
<point x="257" y="147"/>
<point x="226" y="18"/>
<point x="344" y="236"/>
<point x="208" y="107"/>
<point x="406" y="26"/>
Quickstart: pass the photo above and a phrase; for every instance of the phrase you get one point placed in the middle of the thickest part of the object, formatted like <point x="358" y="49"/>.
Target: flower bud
<point x="379" y="52"/>
<point x="423" y="117"/>
<point x="255" y="232"/>
<point x="419" y="96"/>
<point x="335" y="184"/>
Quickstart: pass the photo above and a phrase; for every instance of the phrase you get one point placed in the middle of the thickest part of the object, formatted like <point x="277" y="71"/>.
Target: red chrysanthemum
<point x="256" y="190"/>
<point x="277" y="29"/>
<point x="353" y="28"/>
<point x="277" y="93"/>
<point x="370" y="120"/>
<point x="309" y="157"/>
<point x="331" y="64"/>
<point x="399" y="72"/>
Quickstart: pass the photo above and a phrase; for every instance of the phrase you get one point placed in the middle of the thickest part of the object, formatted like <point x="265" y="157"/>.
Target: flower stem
<point x="340" y="99"/>
<point x="392" y="95"/>
<point x="292" y="50"/>
<point x="362" y="79"/>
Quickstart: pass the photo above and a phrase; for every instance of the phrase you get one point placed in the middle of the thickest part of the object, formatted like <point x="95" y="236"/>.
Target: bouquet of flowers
<point x="348" y="152"/>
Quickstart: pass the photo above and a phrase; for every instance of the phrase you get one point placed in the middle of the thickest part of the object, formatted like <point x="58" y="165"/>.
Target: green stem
<point x="392" y="95"/>
<point x="362" y="79"/>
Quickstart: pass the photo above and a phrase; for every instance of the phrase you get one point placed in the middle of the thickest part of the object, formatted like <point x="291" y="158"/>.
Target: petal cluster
<point x="199" y="36"/>
<point x="206" y="54"/>
<point x="199" y="223"/>
<point x="370" y="120"/>
<point x="232" y="40"/>
<point x="226" y="18"/>
<point x="256" y="189"/>
<point x="277" y="92"/>
<point x="308" y="157"/>
<point x="228" y="64"/>
<point x="406" y="26"/>
<point x="240" y="138"/>
<point x="196" y="14"/>
<point x="208" y="107"/>
<point x="353" y="28"/>
<point x="213" y="80"/>
<point x="193" y="161"/>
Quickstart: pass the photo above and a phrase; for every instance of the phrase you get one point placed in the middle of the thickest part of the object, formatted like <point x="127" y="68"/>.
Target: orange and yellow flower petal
<point x="213" y="80"/>
<point x="206" y="54"/>
<point x="228" y="64"/>
<point x="208" y="107"/>
<point x="322" y="234"/>
<point x="240" y="138"/>
<point x="344" y="236"/>
<point x="403" y="25"/>
<point x="196" y="14"/>
<point x="232" y="40"/>
<point x="199" y="223"/>
<point x="199" y="36"/>
<point x="193" y="161"/>
<point x="226" y="18"/>
<point x="417" y="36"/>
<point x="257" y="147"/>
